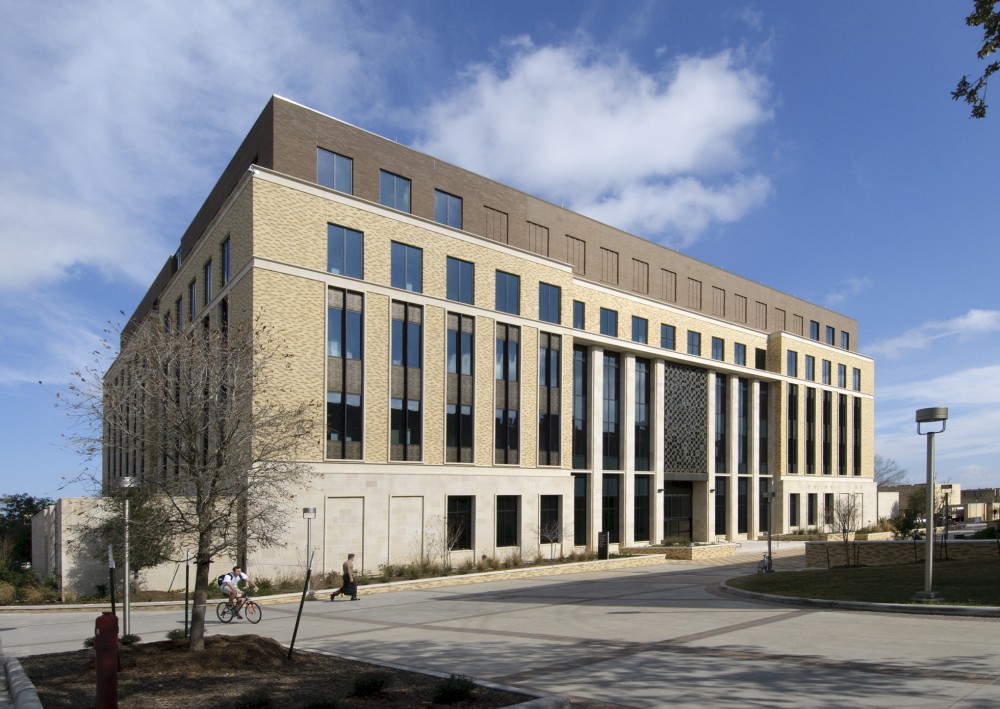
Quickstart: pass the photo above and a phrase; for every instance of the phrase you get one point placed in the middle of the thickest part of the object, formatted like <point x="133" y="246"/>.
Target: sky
<point x="813" y="147"/>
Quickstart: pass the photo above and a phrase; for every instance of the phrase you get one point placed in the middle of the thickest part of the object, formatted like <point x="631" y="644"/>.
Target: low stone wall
<point x="688" y="552"/>
<point x="888" y="553"/>
<point x="873" y="536"/>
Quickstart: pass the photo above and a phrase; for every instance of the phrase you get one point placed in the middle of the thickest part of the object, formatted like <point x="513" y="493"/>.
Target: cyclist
<point x="230" y="586"/>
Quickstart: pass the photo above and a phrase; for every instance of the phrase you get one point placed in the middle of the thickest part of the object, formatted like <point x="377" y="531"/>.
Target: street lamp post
<point x="770" y="506"/>
<point x="929" y="417"/>
<point x="309" y="514"/>
<point x="126" y="482"/>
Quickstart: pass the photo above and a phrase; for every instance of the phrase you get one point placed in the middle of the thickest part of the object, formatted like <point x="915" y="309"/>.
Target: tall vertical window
<point x="742" y="505"/>
<point x="742" y="426"/>
<point x="407" y="267"/>
<point x="459" y="389"/>
<point x="507" y="520"/>
<point x="826" y="371"/>
<point x="180" y="314"/>
<point x="694" y="343"/>
<point x="549" y="399"/>
<point x="345" y="385"/>
<point x="193" y="300"/>
<point x="393" y="191"/>
<point x="831" y="333"/>
<point x="581" y="406"/>
<point x="345" y="251"/>
<point x="856" y="379"/>
<point x="461" y="280"/>
<point x="641" y="508"/>
<point x="668" y="337"/>
<point x="508" y="293"/>
<point x="856" y="436"/>
<point x="581" y="508"/>
<point x="740" y="354"/>
<point x="447" y="209"/>
<point x="718" y="348"/>
<point x="336" y="171"/>
<point x="793" y="509"/>
<point x="721" y="493"/>
<point x="763" y="416"/>
<point x="579" y="321"/>
<point x="813" y="330"/>
<point x="841" y="434"/>
<point x="609" y="322"/>
<point x="460" y="521"/>
<point x="845" y="340"/>
<point x="811" y="505"/>
<point x="827" y="433"/>
<point x="842" y="376"/>
<point x="721" y="423"/>
<point x="611" y="507"/>
<point x="549" y="303"/>
<point x="611" y="428"/>
<point x="764" y="503"/>
<point x="828" y="508"/>
<point x="640" y="330"/>
<point x="208" y="282"/>
<point x="810" y="430"/>
<point x="792" y="363"/>
<point x="793" y="428"/>
<point x="507" y="428"/>
<point x="760" y="358"/>
<point x="406" y="357"/>
<point x="643" y="439"/>
<point x="227" y="261"/>
<point x="549" y="519"/>
<point x="810" y="368"/>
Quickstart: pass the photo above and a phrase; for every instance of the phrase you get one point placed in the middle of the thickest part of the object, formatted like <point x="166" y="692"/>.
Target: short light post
<point x="309" y="514"/>
<point x="930" y="418"/>
<point x="127" y="482"/>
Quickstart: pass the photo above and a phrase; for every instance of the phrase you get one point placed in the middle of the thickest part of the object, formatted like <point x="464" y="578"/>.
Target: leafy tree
<point x="985" y="14"/>
<point x="888" y="472"/>
<point x="16" y="512"/>
<point x="204" y="414"/>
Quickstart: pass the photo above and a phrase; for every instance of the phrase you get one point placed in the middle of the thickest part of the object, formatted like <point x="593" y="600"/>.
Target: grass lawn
<point x="968" y="583"/>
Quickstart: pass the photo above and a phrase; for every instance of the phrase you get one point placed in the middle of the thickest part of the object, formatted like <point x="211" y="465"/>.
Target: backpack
<point x="222" y="580"/>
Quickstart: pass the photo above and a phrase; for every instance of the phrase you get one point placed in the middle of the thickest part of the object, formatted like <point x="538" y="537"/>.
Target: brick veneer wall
<point x="889" y="553"/>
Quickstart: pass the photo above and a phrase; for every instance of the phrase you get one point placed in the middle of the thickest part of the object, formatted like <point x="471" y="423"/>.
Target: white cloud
<point x="848" y="287"/>
<point x="974" y="323"/>
<point x="661" y="152"/>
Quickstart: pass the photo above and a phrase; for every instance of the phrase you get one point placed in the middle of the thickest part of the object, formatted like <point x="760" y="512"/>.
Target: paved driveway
<point x="639" y="637"/>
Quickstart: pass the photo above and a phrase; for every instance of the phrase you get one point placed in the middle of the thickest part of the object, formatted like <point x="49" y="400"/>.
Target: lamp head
<point x="934" y="414"/>
<point x="308" y="513"/>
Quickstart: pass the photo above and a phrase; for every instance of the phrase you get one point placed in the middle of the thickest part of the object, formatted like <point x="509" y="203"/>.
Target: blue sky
<point x="812" y="147"/>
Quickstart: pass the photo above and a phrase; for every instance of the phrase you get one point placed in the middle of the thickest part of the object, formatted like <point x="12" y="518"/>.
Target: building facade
<point x="501" y="375"/>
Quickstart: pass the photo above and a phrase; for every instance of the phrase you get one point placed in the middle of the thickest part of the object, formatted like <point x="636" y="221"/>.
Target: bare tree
<point x="551" y="532"/>
<point x="888" y="472"/>
<point x="202" y="418"/>
<point x="845" y="520"/>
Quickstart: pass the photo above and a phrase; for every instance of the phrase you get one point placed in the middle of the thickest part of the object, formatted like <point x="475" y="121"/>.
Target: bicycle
<point x="228" y="610"/>
<point x="764" y="565"/>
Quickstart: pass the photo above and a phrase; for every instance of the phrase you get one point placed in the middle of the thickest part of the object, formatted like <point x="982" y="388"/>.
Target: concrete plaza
<point x="651" y="636"/>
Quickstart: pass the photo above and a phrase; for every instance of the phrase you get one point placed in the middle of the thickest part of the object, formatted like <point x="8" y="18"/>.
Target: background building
<point x="501" y="374"/>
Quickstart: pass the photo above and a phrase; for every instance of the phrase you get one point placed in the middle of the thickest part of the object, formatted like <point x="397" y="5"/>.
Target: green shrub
<point x="8" y="594"/>
<point x="987" y="533"/>
<point x="177" y="634"/>
<point x="256" y="699"/>
<point x="130" y="639"/>
<point x="456" y="688"/>
<point x="88" y="642"/>
<point x="369" y="684"/>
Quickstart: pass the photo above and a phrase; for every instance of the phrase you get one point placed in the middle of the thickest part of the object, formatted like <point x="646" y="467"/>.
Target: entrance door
<point x="677" y="510"/>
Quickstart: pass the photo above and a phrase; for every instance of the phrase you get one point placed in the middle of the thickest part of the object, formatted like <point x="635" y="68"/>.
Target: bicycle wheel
<point x="251" y="611"/>
<point x="225" y="612"/>
<point x="761" y="566"/>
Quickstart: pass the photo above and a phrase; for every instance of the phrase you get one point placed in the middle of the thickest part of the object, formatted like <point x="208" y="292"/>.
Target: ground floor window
<point x="641" y="525"/>
<point x="507" y="520"/>
<point x="793" y="509"/>
<point x="611" y="508"/>
<point x="459" y="522"/>
<point x="580" y="506"/>
<point x="721" y="485"/>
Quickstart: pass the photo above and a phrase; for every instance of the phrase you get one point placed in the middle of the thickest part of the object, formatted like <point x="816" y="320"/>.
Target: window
<point x="208" y="282"/>
<point x="641" y="508"/>
<point x="763" y="417"/>
<point x="856" y="379"/>
<point x="612" y="410"/>
<point x="845" y="340"/>
<point x="828" y="508"/>
<point x="461" y="280"/>
<point x="549" y="392"/>
<point x="826" y="371"/>
<point x="810" y="430"/>
<point x="811" y="504"/>
<point x="718" y="348"/>
<point x="609" y="322"/>
<point x="447" y="209"/>
<point x="578" y="315"/>
<point x="507" y="520"/>
<point x="793" y="509"/>
<point x="180" y="314"/>
<point x="742" y="505"/>
<point x="668" y="337"/>
<point x="760" y="358"/>
<point x="694" y="343"/>
<point x="549" y="303"/>
<point x="406" y="357"/>
<point x="346" y="381"/>
<point x="721" y="424"/>
<point x="506" y="396"/>
<point x="764" y="505"/>
<point x="810" y="368"/>
<point x="814" y="330"/>
<point x="227" y="261"/>
<point x="740" y="354"/>
<point x="344" y="248"/>
<point x="581" y="508"/>
<point x="460" y="521"/>
<point x="793" y="428"/>
<point x="640" y="330"/>
<point x="841" y="434"/>
<point x="581" y="405"/>
<point x="508" y="293"/>
<point x="407" y="267"/>
<point x="743" y="426"/>
<point x="336" y="171"/>
<point x="459" y="389"/>
<point x="193" y="300"/>
<point x="721" y="492"/>
<point x="611" y="507"/>
<point x="842" y="376"/>
<point x="827" y="432"/>
<point x="393" y="191"/>
<point x="792" y="363"/>
<point x="831" y="333"/>
<point x="642" y="435"/>
<point x="856" y="430"/>
<point x="549" y="522"/>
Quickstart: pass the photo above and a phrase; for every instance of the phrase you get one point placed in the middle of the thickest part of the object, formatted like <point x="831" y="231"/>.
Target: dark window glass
<point x="694" y="343"/>
<point x="609" y="322"/>
<point x="507" y="520"/>
<point x="407" y="267"/>
<point x="611" y="508"/>
<point x="793" y="509"/>
<point x="208" y="282"/>
<point x="856" y="430"/>
<point x="742" y="426"/>
<point x="611" y="439"/>
<point x="641" y="508"/>
<point x="581" y="404"/>
<point x="333" y="170"/>
<point x="813" y="330"/>
<point x="718" y="348"/>
<point x="643" y="418"/>
<point x="344" y="251"/>
<point x="841" y="434"/>
<point x="856" y="379"/>
<point x="581" y="507"/>
<point x="828" y="508"/>
<point x="447" y="209"/>
<point x="578" y="315"/>
<point x="826" y="371"/>
<point x="640" y="330"/>
<point x="742" y="505"/>
<point x="227" y="261"/>
<point x="830" y="335"/>
<point x="810" y="430"/>
<point x="668" y="337"/>
<point x="506" y="423"/>
<point x="810" y="368"/>
<point x="792" y="363"/>
<point x="760" y="359"/>
<point x="549" y="520"/>
<point x="394" y="191"/>
<point x="461" y="280"/>
<point x="459" y="522"/>
<point x="765" y="502"/>
<point x="549" y="303"/>
<point x="827" y="433"/>
<point x="721" y="424"/>
<point x="793" y="428"/>
<point x="763" y="416"/>
<point x="845" y="340"/>
<point x="406" y="430"/>
<point x="549" y="394"/>
<point x="740" y="354"/>
<point x="508" y="293"/>
<point x="811" y="504"/>
<point x="842" y="376"/>
<point x="721" y="490"/>
<point x="460" y="389"/>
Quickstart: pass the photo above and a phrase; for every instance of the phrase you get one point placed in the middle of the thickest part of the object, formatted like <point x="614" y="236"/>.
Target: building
<point x="501" y="374"/>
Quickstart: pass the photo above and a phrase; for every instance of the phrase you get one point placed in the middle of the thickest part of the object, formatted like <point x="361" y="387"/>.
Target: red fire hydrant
<point x="106" y="662"/>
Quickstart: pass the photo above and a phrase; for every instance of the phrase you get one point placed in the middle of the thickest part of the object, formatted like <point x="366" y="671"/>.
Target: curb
<point x="913" y="609"/>
<point x="22" y="691"/>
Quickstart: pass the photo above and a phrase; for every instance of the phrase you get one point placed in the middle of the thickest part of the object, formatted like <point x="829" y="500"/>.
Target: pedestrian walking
<point x="350" y="583"/>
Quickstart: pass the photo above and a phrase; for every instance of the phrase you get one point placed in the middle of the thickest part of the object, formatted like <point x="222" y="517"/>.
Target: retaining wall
<point x="889" y="553"/>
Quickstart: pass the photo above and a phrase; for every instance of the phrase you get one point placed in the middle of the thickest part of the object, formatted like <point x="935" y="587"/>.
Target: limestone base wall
<point x="888" y="553"/>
